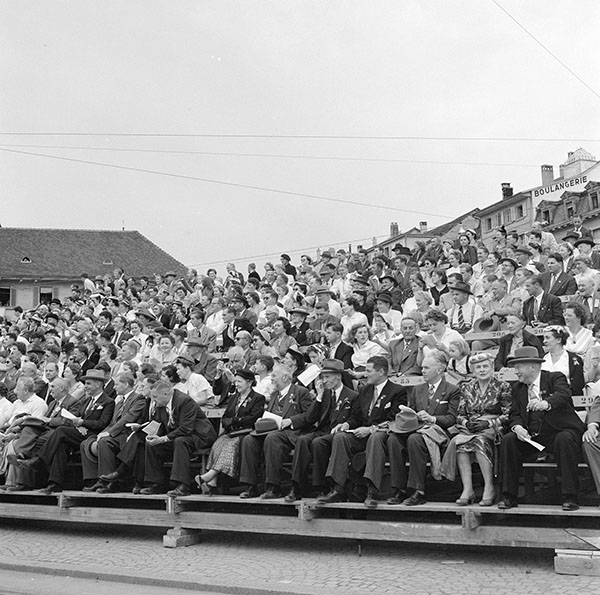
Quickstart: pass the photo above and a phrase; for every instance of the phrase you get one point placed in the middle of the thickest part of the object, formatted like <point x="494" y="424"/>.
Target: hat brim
<point x="103" y="380"/>
<point x="486" y="325"/>
<point x="394" y="428"/>
<point x="264" y="432"/>
<point x="524" y="360"/>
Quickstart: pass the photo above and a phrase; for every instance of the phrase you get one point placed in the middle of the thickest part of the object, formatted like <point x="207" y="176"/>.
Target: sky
<point x="208" y="94"/>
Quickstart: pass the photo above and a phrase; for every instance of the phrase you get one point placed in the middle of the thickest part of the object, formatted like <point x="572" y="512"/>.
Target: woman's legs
<point x="463" y="460"/>
<point x="209" y="476"/>
<point x="488" y="475"/>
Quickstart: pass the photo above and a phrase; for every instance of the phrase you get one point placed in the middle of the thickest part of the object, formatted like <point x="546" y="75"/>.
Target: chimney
<point x="394" y="231"/>
<point x="547" y="175"/>
<point x="374" y="241"/>
<point x="422" y="226"/>
<point x="507" y="190"/>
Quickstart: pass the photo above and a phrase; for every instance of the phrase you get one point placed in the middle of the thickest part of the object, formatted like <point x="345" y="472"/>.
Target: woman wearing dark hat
<point x="468" y="252"/>
<point x="482" y="416"/>
<point x="558" y="359"/>
<point x="244" y="408"/>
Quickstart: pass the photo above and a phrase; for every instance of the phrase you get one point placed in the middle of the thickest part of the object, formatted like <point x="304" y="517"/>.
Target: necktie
<point x="536" y="307"/>
<point x="431" y="392"/>
<point x="461" y="318"/>
<point x="171" y="423"/>
<point x="230" y="331"/>
<point x="590" y="303"/>
<point x="119" y="402"/>
<point x="89" y="406"/>
<point x="374" y="400"/>
<point x="552" y="281"/>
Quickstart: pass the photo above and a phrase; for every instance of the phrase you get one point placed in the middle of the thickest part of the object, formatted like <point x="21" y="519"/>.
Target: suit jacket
<point x="94" y="419"/>
<point x="344" y="353"/>
<point x="120" y="337"/>
<point x="239" y="324"/>
<point x="443" y="405"/>
<point x="554" y="389"/>
<point x="299" y="333"/>
<point x="402" y="360"/>
<point x="592" y="314"/>
<point x="584" y="232"/>
<point x="390" y="398"/>
<point x="208" y="336"/>
<point x="295" y="405"/>
<point x="246" y="415"/>
<point x="326" y="415"/>
<point x="189" y="420"/>
<point x="593" y="415"/>
<point x="529" y="340"/>
<point x="550" y="312"/>
<point x="206" y="365"/>
<point x="130" y="411"/>
<point x="564" y="284"/>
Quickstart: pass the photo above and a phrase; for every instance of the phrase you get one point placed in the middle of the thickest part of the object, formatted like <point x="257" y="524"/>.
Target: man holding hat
<point x="91" y="415"/>
<point x="327" y="413"/>
<point x="376" y="405"/>
<point x="542" y="410"/>
<point x="465" y="311"/>
<point x="436" y="405"/>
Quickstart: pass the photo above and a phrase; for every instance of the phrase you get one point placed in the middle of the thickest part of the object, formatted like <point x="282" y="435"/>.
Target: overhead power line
<point x="272" y="155"/>
<point x="224" y="183"/>
<point x="305" y="136"/>
<point x="546" y="49"/>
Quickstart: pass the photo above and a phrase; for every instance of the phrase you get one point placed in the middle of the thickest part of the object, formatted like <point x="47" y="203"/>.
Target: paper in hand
<point x="309" y="374"/>
<point x="151" y="428"/>
<point x="67" y="414"/>
<point x="537" y="445"/>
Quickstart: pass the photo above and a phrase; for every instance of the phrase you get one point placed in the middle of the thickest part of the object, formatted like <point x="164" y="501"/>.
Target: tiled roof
<point x="67" y="253"/>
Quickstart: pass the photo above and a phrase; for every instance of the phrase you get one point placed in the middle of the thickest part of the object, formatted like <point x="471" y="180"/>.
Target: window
<point x="594" y="198"/>
<point x="4" y="296"/>
<point x="488" y="224"/>
<point x="546" y="216"/>
<point x="45" y="295"/>
<point x="520" y="212"/>
<point x="570" y="212"/>
<point x="507" y="216"/>
<point x="498" y="219"/>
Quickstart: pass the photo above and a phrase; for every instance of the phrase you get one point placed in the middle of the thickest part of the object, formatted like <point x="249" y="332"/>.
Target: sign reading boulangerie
<point x="555" y="187"/>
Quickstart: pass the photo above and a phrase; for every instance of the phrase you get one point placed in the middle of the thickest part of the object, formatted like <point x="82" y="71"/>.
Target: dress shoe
<point x="51" y="488"/>
<point x="371" y="499"/>
<point x="180" y="490"/>
<point x="250" y="492"/>
<point x="20" y="487"/>
<point x="152" y="489"/>
<point x="415" y="499"/>
<point x="507" y="502"/>
<point x="569" y="505"/>
<point x="292" y="496"/>
<point x="398" y="497"/>
<point x="272" y="493"/>
<point x="333" y="496"/>
<point x="137" y="489"/>
<point x="466" y="501"/>
<point x="110" y="476"/>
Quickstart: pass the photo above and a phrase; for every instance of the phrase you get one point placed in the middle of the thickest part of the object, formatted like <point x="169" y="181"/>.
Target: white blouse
<point x="562" y="365"/>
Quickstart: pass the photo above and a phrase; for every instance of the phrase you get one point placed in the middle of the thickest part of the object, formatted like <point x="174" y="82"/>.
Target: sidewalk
<point x="254" y="564"/>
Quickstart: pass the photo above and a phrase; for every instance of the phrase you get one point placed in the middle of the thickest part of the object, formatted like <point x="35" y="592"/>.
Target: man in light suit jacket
<point x="377" y="404"/>
<point x="589" y="298"/>
<point x="435" y="402"/>
<point x="541" y="308"/>
<point x="554" y="280"/>
<point x="327" y="413"/>
<point x="99" y="453"/>
<point x="542" y="410"/>
<point x="404" y="351"/>
<point x="291" y="402"/>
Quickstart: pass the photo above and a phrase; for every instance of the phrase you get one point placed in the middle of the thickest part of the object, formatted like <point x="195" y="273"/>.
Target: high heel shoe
<point x="466" y="501"/>
<point x="487" y="501"/>
<point x="208" y="490"/>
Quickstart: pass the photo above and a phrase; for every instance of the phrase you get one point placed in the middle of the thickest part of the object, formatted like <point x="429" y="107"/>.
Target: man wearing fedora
<point x="405" y="350"/>
<point x="541" y="308"/>
<point x="542" y="410"/>
<point x="92" y="414"/>
<point x="586" y="246"/>
<point x="376" y="405"/>
<point x="98" y="453"/>
<point x="327" y="413"/>
<point x="436" y="404"/>
<point x="508" y="267"/>
<point x="554" y="280"/>
<point x="393" y="317"/>
<point x="291" y="402"/>
<point x="465" y="311"/>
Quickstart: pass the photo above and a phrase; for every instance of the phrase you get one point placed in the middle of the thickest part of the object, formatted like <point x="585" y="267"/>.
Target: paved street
<point x="255" y="564"/>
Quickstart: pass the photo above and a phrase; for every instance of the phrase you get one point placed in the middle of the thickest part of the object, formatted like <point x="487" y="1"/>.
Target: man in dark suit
<point x="121" y="333"/>
<point x="327" y="413"/>
<point x="337" y="348"/>
<point x="542" y="308"/>
<point x="291" y="402"/>
<point x="579" y="230"/>
<point x="377" y="403"/>
<point x="91" y="415"/>
<point x="554" y="280"/>
<point x="542" y="410"/>
<point x="402" y="271"/>
<point x="436" y="404"/>
<point x="517" y="335"/>
<point x="187" y="430"/>
<point x="233" y="325"/>
<point x="404" y="351"/>
<point x="99" y="453"/>
<point x="322" y="320"/>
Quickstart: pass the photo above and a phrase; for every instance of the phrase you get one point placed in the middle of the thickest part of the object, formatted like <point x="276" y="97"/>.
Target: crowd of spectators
<point x="300" y="357"/>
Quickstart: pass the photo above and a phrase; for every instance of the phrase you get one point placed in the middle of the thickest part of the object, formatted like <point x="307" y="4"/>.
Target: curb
<point x="192" y="585"/>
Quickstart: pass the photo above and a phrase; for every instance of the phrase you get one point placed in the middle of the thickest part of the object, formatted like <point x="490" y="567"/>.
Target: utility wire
<point x="224" y="183"/>
<point x="546" y="49"/>
<point x="305" y="136"/>
<point x="329" y="244"/>
<point x="272" y="155"/>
